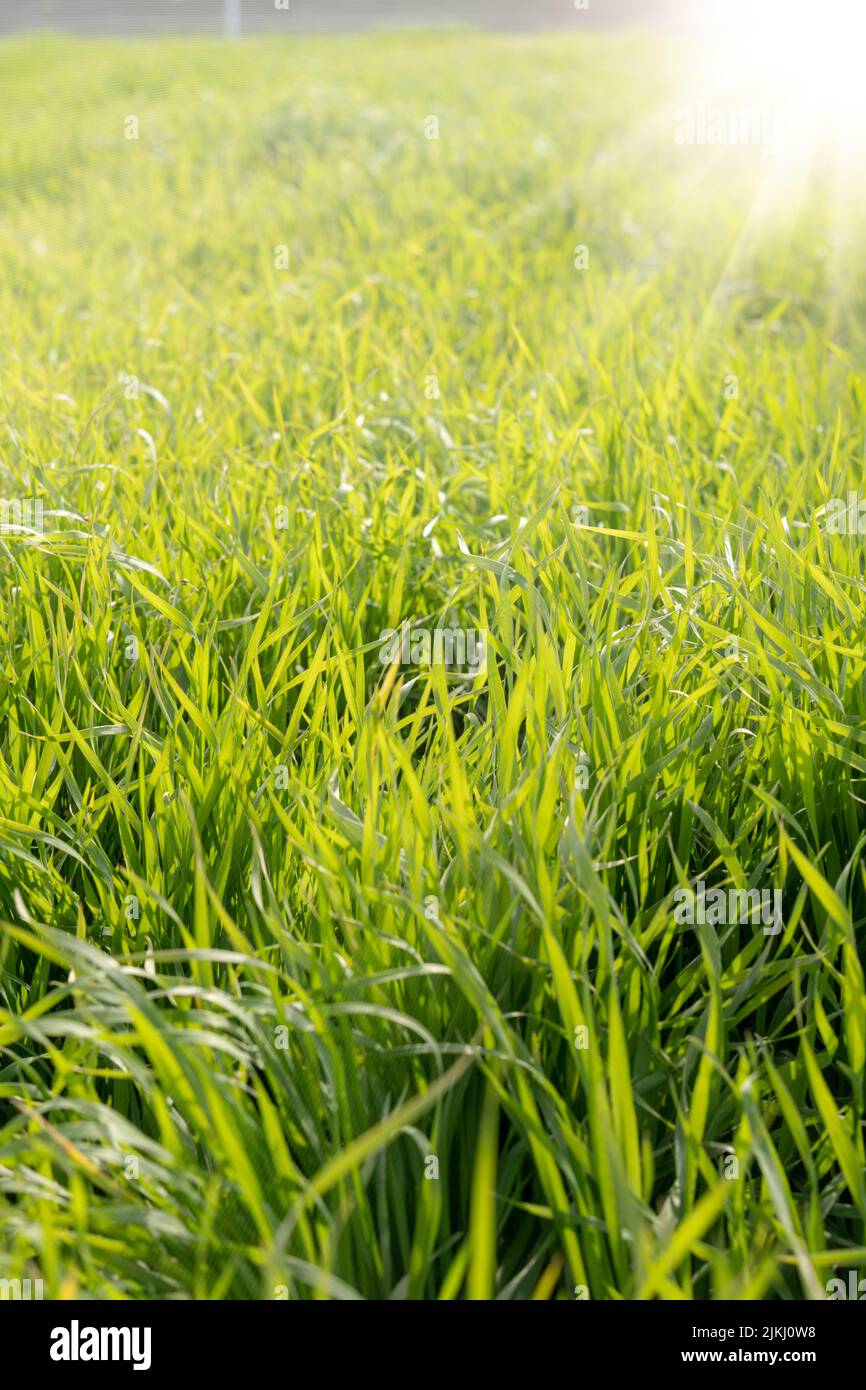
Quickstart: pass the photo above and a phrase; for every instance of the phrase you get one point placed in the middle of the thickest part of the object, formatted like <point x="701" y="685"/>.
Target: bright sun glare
<point x="803" y="59"/>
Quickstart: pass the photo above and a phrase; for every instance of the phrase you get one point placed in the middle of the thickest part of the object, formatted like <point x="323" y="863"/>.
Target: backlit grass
<point x="287" y="932"/>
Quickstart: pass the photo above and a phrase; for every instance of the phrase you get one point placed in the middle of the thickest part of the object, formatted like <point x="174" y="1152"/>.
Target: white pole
<point x="231" y="18"/>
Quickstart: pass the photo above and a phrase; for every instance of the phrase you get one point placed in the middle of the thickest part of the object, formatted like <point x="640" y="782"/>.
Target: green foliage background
<point x="233" y="1089"/>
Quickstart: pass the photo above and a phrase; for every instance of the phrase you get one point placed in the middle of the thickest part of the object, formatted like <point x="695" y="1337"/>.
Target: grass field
<point x="329" y="976"/>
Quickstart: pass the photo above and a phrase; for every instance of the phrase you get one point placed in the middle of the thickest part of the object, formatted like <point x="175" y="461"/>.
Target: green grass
<point x="281" y="925"/>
